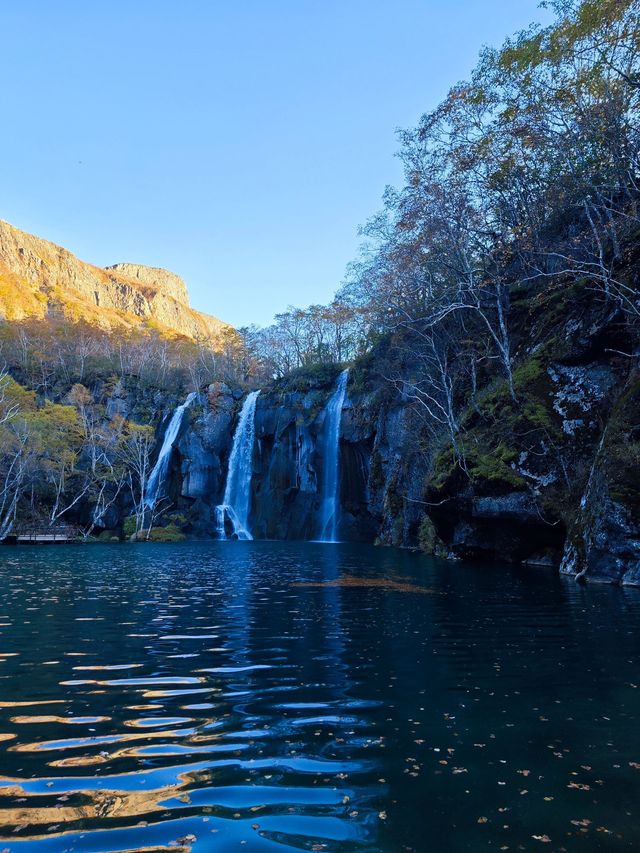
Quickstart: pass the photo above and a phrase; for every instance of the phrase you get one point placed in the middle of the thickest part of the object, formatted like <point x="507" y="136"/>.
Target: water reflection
<point x="274" y="696"/>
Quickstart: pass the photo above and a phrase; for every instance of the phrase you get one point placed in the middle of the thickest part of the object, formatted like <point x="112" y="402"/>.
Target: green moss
<point x="494" y="425"/>
<point x="536" y="414"/>
<point x="622" y="449"/>
<point x="308" y="378"/>
<point x="444" y="467"/>
<point x="428" y="540"/>
<point x="491" y="466"/>
<point x="528" y="372"/>
<point x="129" y="526"/>
<point x="496" y="467"/>
<point x="170" y="533"/>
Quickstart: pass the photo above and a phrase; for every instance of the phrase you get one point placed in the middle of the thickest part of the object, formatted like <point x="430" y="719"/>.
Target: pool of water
<point x="274" y="696"/>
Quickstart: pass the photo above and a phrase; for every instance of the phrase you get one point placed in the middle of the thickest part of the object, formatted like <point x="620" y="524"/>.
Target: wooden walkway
<point x="46" y="535"/>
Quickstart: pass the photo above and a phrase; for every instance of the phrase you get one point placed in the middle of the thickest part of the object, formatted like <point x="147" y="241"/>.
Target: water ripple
<point x="338" y="709"/>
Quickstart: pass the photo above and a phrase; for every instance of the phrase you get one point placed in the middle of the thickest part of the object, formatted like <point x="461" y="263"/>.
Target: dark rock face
<point x="604" y="539"/>
<point x="551" y="478"/>
<point x="287" y="462"/>
<point x="288" y="468"/>
<point x="509" y="525"/>
<point x="608" y="547"/>
<point x="285" y="479"/>
<point x="205" y="444"/>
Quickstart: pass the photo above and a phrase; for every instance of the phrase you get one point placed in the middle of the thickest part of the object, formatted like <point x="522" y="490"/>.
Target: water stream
<point x="159" y="472"/>
<point x="330" y="506"/>
<point x="236" y="504"/>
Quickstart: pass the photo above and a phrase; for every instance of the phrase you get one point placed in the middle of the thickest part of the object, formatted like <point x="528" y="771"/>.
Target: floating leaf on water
<point x="349" y="581"/>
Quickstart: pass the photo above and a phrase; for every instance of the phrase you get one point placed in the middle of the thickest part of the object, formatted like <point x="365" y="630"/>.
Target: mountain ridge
<point x="40" y="279"/>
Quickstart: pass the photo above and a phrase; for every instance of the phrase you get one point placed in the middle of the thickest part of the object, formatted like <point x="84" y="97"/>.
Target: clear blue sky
<point x="237" y="142"/>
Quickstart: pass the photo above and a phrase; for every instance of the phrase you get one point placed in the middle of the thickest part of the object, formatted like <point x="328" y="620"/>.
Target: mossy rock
<point x="495" y="467"/>
<point x="107" y="536"/>
<point x="308" y="378"/>
<point x="170" y="533"/>
<point x="129" y="526"/>
<point x="428" y="540"/>
<point x="177" y="518"/>
<point x="491" y="468"/>
<point x="622" y="450"/>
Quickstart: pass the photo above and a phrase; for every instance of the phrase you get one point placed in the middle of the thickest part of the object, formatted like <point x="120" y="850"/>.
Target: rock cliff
<point x="287" y="463"/>
<point x="549" y="478"/>
<point x="168" y="282"/>
<point x="379" y="458"/>
<point x="40" y="279"/>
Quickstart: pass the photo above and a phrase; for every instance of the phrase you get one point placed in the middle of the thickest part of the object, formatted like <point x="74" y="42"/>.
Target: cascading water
<point x="330" y="507"/>
<point x="158" y="474"/>
<point x="237" y="494"/>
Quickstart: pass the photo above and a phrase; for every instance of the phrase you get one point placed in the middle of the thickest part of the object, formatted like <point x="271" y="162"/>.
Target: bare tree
<point x="135" y="452"/>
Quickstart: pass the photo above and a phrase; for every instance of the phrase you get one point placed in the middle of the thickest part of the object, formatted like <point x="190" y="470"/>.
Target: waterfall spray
<point x="236" y="503"/>
<point x="159" y="472"/>
<point x="330" y="507"/>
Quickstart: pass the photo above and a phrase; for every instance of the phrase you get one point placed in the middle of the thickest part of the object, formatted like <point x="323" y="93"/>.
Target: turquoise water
<point x="254" y="696"/>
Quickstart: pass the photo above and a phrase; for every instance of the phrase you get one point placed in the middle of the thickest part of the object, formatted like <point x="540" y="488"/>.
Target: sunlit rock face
<point x="41" y="279"/>
<point x="168" y="282"/>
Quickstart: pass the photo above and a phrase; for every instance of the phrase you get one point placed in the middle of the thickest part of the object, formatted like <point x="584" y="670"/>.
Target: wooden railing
<point x="46" y="534"/>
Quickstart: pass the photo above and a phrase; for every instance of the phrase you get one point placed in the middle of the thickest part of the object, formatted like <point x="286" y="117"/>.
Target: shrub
<point x="129" y="526"/>
<point x="170" y="533"/>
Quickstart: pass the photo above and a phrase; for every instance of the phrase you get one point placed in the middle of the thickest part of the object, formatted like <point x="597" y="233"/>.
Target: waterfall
<point x="158" y="474"/>
<point x="330" y="507"/>
<point x="236" y="503"/>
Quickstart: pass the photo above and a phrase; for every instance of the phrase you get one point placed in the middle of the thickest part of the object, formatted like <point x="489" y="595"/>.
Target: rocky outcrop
<point x="603" y="543"/>
<point x="205" y="446"/>
<point x="39" y="279"/>
<point x="290" y="428"/>
<point x="168" y="282"/>
<point x="550" y="477"/>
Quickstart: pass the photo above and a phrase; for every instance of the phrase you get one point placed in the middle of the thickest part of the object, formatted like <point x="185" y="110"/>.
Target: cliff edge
<point x="40" y="279"/>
